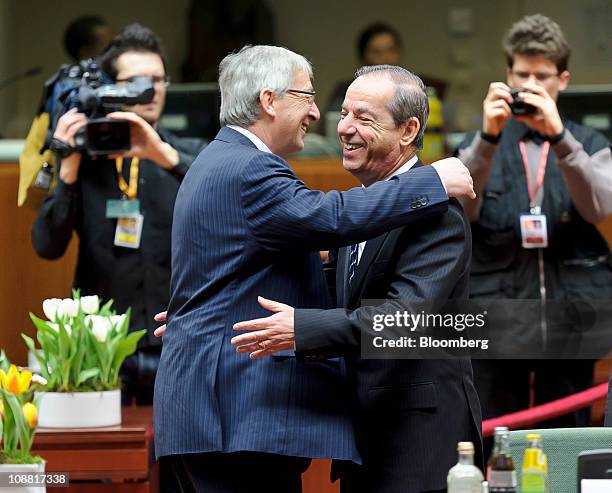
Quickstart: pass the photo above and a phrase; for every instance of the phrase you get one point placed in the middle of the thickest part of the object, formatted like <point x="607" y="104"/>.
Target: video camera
<point x="86" y="87"/>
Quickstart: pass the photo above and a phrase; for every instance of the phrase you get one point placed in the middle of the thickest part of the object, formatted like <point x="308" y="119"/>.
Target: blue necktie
<point x="353" y="258"/>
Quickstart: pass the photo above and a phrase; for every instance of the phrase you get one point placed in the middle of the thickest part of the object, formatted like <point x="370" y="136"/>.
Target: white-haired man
<point x="245" y="225"/>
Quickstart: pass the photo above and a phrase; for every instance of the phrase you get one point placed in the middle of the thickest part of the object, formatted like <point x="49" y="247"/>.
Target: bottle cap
<point x="498" y="430"/>
<point x="534" y="436"/>
<point x="465" y="447"/>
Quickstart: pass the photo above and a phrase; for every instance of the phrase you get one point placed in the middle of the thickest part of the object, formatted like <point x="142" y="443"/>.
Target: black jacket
<point x="410" y="413"/>
<point x="140" y="278"/>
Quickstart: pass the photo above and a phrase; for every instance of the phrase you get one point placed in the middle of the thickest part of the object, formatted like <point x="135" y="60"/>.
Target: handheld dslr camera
<point x="86" y="87"/>
<point x="518" y="106"/>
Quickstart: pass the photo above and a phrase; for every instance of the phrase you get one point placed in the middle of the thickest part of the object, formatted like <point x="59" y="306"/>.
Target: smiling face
<point x="136" y="63"/>
<point x="373" y="146"/>
<point x="295" y="112"/>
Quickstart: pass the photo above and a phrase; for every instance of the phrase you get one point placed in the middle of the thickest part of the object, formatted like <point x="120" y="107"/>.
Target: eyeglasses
<point x="540" y="77"/>
<point x="311" y="94"/>
<point x="155" y="79"/>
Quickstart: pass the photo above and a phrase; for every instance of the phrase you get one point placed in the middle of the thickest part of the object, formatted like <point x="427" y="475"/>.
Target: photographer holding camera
<point x="120" y="204"/>
<point x="542" y="184"/>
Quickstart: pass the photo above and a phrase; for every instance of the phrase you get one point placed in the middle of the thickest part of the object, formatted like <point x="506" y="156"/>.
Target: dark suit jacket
<point x="244" y="226"/>
<point x="410" y="414"/>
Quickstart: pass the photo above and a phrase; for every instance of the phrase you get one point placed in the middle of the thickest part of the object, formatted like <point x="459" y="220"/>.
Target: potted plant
<point x="18" y="420"/>
<point x="82" y="347"/>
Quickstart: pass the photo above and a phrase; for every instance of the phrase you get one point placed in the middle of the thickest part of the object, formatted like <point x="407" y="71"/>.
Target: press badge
<point x="533" y="231"/>
<point x="122" y="208"/>
<point x="129" y="231"/>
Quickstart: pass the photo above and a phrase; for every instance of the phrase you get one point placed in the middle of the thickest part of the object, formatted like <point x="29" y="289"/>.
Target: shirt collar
<point x="252" y="137"/>
<point x="405" y="167"/>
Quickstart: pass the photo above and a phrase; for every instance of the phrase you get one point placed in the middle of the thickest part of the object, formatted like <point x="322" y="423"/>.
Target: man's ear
<point x="564" y="78"/>
<point x="267" y="100"/>
<point x="410" y="131"/>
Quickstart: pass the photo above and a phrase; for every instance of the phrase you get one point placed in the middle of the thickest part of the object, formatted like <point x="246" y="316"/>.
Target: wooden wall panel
<point x="25" y="279"/>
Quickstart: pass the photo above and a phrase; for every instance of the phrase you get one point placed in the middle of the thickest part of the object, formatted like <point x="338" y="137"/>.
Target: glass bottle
<point x="535" y="466"/>
<point x="465" y="477"/>
<point x="501" y="472"/>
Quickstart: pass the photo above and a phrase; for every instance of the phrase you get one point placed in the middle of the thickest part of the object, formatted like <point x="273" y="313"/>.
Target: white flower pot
<point x="80" y="409"/>
<point x="26" y="469"/>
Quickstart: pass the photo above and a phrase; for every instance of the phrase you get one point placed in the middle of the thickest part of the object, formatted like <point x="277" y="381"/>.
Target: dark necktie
<point x="353" y="257"/>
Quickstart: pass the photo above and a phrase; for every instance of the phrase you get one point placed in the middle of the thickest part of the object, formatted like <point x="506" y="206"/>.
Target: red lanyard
<point x="532" y="192"/>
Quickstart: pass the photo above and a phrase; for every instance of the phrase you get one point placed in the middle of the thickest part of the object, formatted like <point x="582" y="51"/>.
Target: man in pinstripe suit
<point x="245" y="225"/>
<point x="410" y="413"/>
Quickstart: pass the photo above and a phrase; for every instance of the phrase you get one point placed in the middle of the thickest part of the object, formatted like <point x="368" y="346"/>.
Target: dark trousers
<point x="356" y="479"/>
<point x="138" y="376"/>
<point x="239" y="472"/>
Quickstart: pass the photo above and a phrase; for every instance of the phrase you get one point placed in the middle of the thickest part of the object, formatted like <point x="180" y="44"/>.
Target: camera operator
<point x="121" y="206"/>
<point x="542" y="183"/>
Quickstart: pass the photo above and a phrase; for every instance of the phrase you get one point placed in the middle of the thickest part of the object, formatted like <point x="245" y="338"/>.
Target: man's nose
<point x="345" y="126"/>
<point x="314" y="112"/>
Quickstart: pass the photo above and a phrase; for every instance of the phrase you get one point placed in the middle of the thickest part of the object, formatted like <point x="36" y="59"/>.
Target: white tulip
<point x="55" y="327"/>
<point x="117" y="320"/>
<point x="68" y="307"/>
<point x="100" y="326"/>
<point x="90" y="304"/>
<point x="50" y="307"/>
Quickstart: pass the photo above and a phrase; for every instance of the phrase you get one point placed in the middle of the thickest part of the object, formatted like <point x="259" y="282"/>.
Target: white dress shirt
<point x="252" y="137"/>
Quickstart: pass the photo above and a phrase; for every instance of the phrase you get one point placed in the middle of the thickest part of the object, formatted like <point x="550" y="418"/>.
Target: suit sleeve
<point x="432" y="256"/>
<point x="282" y="212"/>
<point x="53" y="226"/>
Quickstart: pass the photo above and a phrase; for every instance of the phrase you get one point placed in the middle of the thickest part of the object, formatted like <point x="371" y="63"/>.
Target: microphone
<point x="31" y="72"/>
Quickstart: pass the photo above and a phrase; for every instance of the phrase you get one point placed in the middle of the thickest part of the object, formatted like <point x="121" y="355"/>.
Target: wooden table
<point x="116" y="459"/>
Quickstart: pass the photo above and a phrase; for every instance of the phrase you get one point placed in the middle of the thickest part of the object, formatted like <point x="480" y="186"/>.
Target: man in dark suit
<point x="245" y="225"/>
<point x="410" y="413"/>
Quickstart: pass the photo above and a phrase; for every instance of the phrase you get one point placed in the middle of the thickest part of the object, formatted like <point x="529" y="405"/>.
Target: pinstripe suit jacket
<point x="410" y="413"/>
<point x="244" y="225"/>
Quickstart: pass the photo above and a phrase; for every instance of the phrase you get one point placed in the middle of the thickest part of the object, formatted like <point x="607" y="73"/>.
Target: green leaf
<point x="42" y="325"/>
<point x="1" y="422"/>
<point x="106" y="309"/>
<point x="86" y="375"/>
<point x="42" y="362"/>
<point x="21" y="425"/>
<point x="4" y="362"/>
<point x="125" y="348"/>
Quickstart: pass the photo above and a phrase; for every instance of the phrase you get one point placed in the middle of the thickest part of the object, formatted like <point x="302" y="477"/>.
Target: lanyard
<point x="533" y="191"/>
<point x="130" y="190"/>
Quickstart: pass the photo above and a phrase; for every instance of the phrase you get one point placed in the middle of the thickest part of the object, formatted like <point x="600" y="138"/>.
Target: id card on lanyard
<point x="534" y="233"/>
<point x="128" y="231"/>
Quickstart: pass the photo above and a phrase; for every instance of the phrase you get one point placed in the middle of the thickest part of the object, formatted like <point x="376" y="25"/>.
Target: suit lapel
<point x="369" y="254"/>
